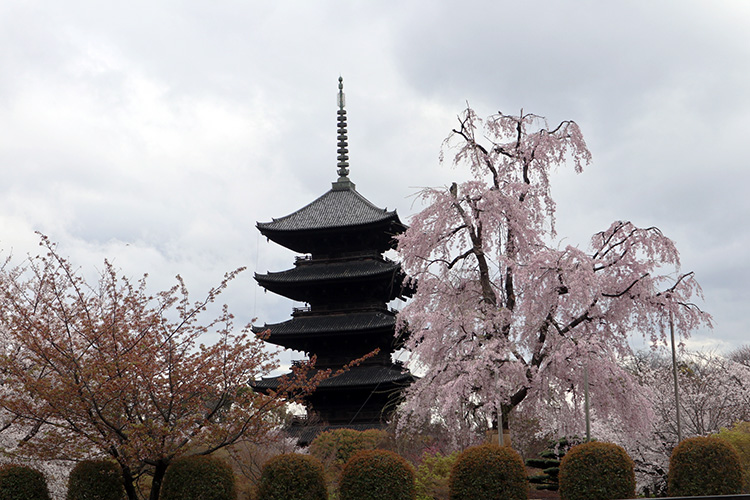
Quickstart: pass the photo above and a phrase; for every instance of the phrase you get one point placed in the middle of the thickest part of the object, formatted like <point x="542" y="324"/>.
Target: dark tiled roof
<point x="349" y="269"/>
<point x="333" y="323"/>
<point x="336" y="208"/>
<point x="358" y="376"/>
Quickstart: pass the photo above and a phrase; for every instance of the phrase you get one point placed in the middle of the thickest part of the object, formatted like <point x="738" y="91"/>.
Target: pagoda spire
<point x="343" y="181"/>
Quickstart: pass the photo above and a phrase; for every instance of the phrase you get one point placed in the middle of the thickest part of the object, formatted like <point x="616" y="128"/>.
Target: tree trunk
<point x="161" y="468"/>
<point x="127" y="477"/>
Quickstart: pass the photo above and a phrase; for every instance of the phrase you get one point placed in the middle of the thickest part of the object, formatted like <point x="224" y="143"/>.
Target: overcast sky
<point x="156" y="133"/>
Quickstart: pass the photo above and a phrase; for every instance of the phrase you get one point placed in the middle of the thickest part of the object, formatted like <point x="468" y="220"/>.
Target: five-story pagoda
<point x="347" y="283"/>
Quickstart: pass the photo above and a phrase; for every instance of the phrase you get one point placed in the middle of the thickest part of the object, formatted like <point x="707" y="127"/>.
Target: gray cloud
<point x="157" y="134"/>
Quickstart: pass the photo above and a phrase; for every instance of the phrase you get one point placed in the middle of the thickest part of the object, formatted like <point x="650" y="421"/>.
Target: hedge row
<point x="590" y="471"/>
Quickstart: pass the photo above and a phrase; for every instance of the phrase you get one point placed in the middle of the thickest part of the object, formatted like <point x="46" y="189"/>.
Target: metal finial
<point x="343" y="152"/>
<point x="342" y="99"/>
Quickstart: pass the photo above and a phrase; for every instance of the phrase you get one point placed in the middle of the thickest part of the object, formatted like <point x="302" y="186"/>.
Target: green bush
<point x="292" y="477"/>
<point x="377" y="475"/>
<point x="593" y="471"/>
<point x="198" y="477"/>
<point x="704" y="466"/>
<point x="488" y="471"/>
<point x="334" y="449"/>
<point x="95" y="480"/>
<point x="339" y="445"/>
<point x="18" y="482"/>
<point x="433" y="474"/>
<point x="739" y="437"/>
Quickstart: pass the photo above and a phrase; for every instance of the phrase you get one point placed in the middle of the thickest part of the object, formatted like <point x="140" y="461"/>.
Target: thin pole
<point x="586" y="400"/>
<point x="674" y="375"/>
<point x="500" y="437"/>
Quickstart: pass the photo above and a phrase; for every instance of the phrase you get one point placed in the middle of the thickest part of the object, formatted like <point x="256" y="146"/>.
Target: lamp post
<point x="500" y="437"/>
<point x="674" y="375"/>
<point x="586" y="399"/>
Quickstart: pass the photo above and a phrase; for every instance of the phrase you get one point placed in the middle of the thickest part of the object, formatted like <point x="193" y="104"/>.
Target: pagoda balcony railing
<point x="348" y="308"/>
<point x="306" y="259"/>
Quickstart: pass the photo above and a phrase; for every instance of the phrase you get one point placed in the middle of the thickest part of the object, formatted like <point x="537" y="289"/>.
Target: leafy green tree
<point x="433" y="474"/>
<point x="334" y="448"/>
<point x="739" y="437"/>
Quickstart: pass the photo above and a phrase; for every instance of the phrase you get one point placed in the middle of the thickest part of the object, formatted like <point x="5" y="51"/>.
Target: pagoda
<point x="346" y="283"/>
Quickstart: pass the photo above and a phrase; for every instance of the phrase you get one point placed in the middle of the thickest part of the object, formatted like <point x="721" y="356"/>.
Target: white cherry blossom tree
<point x="506" y="319"/>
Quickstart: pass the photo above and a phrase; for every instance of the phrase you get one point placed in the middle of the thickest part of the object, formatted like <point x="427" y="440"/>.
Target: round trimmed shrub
<point x="377" y="475"/>
<point x="488" y="471"/>
<point x="704" y="466"/>
<point x="198" y="477"/>
<point x="594" y="470"/>
<point x="292" y="476"/>
<point x="21" y="482"/>
<point x="95" y="480"/>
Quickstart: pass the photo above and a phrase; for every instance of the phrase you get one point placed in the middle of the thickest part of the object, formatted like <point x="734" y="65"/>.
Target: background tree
<point x="503" y="318"/>
<point x="107" y="369"/>
<point x="741" y="355"/>
<point x="714" y="394"/>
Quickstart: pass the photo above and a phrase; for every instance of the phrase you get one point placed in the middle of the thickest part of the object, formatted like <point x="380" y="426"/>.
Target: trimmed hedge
<point x="704" y="466"/>
<point x="292" y="476"/>
<point x="377" y="475"/>
<point x="95" y="480"/>
<point x="19" y="482"/>
<point x="594" y="470"/>
<point x="488" y="471"/>
<point x="198" y="477"/>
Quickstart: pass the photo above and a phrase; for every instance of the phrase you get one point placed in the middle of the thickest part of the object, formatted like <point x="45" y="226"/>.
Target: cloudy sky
<point x="157" y="133"/>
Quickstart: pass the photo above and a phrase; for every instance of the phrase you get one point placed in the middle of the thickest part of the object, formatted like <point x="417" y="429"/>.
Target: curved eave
<point x="383" y="232"/>
<point x="319" y="272"/>
<point x="332" y="324"/>
<point x="357" y="377"/>
<point x="271" y="230"/>
<point x="305" y="338"/>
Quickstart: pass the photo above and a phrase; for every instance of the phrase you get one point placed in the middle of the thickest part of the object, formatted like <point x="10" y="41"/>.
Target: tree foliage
<point x="199" y="477"/>
<point x="596" y="470"/>
<point x="502" y="315"/>
<point x="739" y="437"/>
<point x="433" y="474"/>
<point x="95" y="480"/>
<point x="107" y="368"/>
<point x="293" y="476"/>
<point x="714" y="393"/>
<point x="488" y="471"/>
<point x="335" y="447"/>
<point x="702" y="466"/>
<point x="375" y="475"/>
<point x="22" y="482"/>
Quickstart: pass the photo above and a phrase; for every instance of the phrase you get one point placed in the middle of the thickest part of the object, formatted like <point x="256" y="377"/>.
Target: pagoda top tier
<point x="340" y="221"/>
